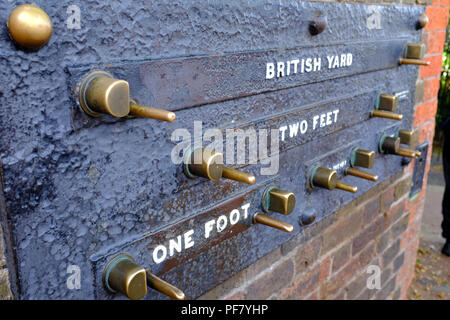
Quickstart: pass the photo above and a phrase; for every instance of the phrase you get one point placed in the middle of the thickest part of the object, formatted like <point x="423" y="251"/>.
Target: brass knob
<point x="205" y="163"/>
<point x="414" y="55"/>
<point x="362" y="158"/>
<point x="271" y="222"/>
<point x="123" y="275"/>
<point x="387" y="102"/>
<point x="389" y="145"/>
<point x="408" y="137"/>
<point x="30" y="26"/>
<point x="101" y="94"/>
<point x="361" y="174"/>
<point x="326" y="178"/>
<point x="422" y="21"/>
<point x="278" y="200"/>
<point x="386" y="115"/>
<point x="409" y="153"/>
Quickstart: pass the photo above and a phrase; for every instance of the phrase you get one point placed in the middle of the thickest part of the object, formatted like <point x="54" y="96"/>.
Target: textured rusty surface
<point x="77" y="188"/>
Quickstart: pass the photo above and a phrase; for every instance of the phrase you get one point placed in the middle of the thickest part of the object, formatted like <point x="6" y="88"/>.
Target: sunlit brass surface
<point x="162" y="286"/>
<point x="148" y="112"/>
<point x="408" y="137"/>
<point x="408" y="153"/>
<point x="390" y="145"/>
<point x="209" y="164"/>
<point x="278" y="200"/>
<point x="102" y="94"/>
<point x="324" y="178"/>
<point x="388" y="102"/>
<point x="237" y="175"/>
<point x="271" y="222"/>
<point x="30" y="26"/>
<point x="123" y="275"/>
<point x="363" y="158"/>
<point x="205" y="163"/>
<point x="346" y="187"/>
<point x="386" y="114"/>
<point x="414" y="61"/>
<point x="422" y="21"/>
<point x="362" y="174"/>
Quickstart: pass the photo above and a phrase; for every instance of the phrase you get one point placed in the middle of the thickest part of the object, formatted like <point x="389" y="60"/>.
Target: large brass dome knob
<point x="30" y="26"/>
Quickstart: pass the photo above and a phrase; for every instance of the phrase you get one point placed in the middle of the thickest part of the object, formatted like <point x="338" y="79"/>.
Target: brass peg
<point x="271" y="222"/>
<point x="414" y="55"/>
<point x="326" y="178"/>
<point x="164" y="287"/>
<point x="387" y="102"/>
<point x="30" y="26"/>
<point x="389" y="145"/>
<point x="101" y="94"/>
<point x="123" y="275"/>
<point x="205" y="163"/>
<point x="386" y="114"/>
<point x="361" y="174"/>
<point x="408" y="137"/>
<point x="278" y="200"/>
<point x="408" y="153"/>
<point x="362" y="158"/>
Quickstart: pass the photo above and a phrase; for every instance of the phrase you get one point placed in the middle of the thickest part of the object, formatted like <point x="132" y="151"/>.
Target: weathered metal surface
<point x="419" y="170"/>
<point x="79" y="190"/>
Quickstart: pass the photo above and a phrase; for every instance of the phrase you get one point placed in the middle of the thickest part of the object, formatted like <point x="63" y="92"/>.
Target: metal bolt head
<point x="390" y="145"/>
<point x="388" y="102"/>
<point x="415" y="51"/>
<point x="422" y="21"/>
<point x="278" y="200"/>
<point x="363" y="158"/>
<point x="30" y="26"/>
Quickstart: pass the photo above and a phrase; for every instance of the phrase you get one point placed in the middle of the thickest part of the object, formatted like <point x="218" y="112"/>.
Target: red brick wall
<point x="330" y="259"/>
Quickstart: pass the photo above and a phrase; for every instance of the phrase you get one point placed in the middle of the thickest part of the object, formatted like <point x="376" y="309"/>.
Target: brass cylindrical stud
<point x="346" y="187"/>
<point x="408" y="137"/>
<point x="204" y="163"/>
<point x="386" y="114"/>
<point x="123" y="275"/>
<point x="164" y="287"/>
<point x="363" y="158"/>
<point x="278" y="200"/>
<point x="30" y="26"/>
<point x="237" y="175"/>
<point x="362" y="174"/>
<point x="271" y="222"/>
<point x="153" y="113"/>
<point x="389" y="145"/>
<point x="208" y="164"/>
<point x="324" y="178"/>
<point x="387" y="102"/>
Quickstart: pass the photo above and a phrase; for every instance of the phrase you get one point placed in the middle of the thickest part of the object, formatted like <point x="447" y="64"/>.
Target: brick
<point x="383" y="241"/>
<point x="386" y="290"/>
<point x="431" y="88"/>
<point x="399" y="227"/>
<point x="435" y="41"/>
<point x="386" y="274"/>
<point x="307" y="255"/>
<point x="356" y="286"/>
<point x="271" y="281"/>
<point x="325" y="269"/>
<point x="301" y="287"/>
<point x="393" y="214"/>
<point x="424" y="112"/>
<point x="342" y="230"/>
<point x="340" y="257"/>
<point x="262" y="264"/>
<point x="396" y="295"/>
<point x="240" y="295"/>
<point x="224" y="288"/>
<point x="371" y="210"/>
<point x="402" y="188"/>
<point x="438" y="18"/>
<point x="386" y="199"/>
<point x="432" y="70"/>
<point x="367" y="235"/>
<point x="398" y="262"/>
<point x="390" y="253"/>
